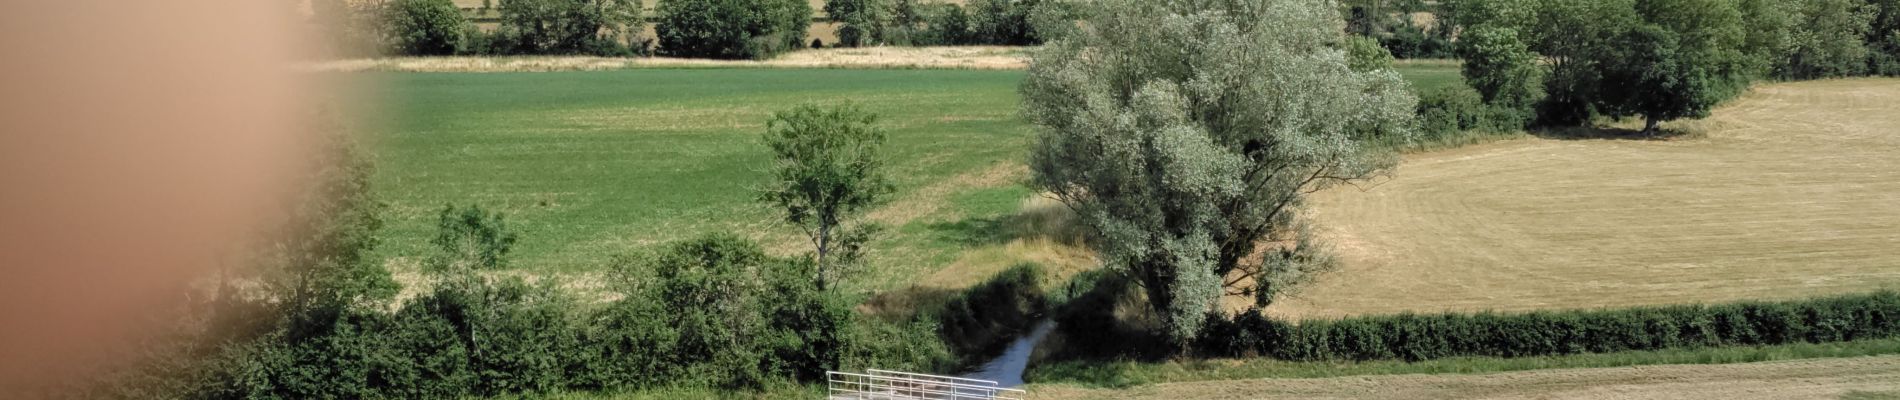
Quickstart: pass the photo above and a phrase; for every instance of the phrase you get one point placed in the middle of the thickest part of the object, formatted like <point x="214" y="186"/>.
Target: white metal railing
<point x="892" y="385"/>
<point x="912" y="375"/>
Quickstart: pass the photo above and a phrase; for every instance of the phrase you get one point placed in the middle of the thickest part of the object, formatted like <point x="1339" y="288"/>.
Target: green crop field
<point x="589" y="165"/>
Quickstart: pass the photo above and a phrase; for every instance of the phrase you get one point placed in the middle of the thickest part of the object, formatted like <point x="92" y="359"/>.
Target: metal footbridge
<point x="877" y="384"/>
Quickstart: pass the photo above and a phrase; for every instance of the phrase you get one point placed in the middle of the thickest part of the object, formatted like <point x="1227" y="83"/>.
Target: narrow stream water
<point x="1007" y="369"/>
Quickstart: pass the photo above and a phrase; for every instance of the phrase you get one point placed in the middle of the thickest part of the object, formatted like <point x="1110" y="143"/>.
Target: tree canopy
<point x="1187" y="133"/>
<point x="828" y="167"/>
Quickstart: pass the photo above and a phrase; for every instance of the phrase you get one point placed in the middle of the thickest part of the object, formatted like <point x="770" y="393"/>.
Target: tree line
<point x="724" y="29"/>
<point x="1810" y="38"/>
<point x="1570" y="62"/>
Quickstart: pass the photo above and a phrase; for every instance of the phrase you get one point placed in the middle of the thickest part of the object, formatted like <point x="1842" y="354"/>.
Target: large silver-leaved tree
<point x="1186" y="134"/>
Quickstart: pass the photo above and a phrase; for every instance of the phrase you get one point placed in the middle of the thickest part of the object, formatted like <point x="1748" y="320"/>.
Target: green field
<point x="588" y="165"/>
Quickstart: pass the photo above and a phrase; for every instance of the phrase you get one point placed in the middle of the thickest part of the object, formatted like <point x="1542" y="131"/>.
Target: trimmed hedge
<point x="1422" y="337"/>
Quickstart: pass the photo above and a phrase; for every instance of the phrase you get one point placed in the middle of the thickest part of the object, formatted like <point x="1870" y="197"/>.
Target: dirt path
<point x="1801" y="379"/>
<point x="1793" y="191"/>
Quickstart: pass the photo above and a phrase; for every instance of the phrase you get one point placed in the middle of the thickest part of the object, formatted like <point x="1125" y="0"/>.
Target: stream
<point x="1007" y="369"/>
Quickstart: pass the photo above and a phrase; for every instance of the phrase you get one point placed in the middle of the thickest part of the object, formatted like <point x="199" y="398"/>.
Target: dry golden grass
<point x="947" y="57"/>
<point x="1791" y="191"/>
<point x="1803" y="379"/>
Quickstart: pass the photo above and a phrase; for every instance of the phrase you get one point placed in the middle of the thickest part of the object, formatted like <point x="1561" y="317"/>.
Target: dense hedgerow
<point x="709" y="312"/>
<point x="1423" y="337"/>
<point x="1449" y="111"/>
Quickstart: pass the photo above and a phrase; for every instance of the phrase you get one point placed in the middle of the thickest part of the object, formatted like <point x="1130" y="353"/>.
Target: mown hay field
<point x="1791" y="191"/>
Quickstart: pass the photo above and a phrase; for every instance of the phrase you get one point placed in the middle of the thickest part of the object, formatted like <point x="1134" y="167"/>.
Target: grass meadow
<point x="593" y="164"/>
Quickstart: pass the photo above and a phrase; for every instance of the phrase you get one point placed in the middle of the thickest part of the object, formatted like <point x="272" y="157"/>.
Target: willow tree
<point x="1187" y="133"/>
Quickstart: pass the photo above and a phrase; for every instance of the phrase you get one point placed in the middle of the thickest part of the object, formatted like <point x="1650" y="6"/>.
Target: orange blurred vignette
<point x="139" y="142"/>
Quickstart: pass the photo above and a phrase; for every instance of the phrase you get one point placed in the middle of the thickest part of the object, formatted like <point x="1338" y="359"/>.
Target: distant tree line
<point x="1570" y="62"/>
<point x="917" y="23"/>
<point x="726" y="29"/>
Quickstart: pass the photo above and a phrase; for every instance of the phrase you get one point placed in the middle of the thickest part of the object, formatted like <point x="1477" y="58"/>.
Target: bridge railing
<point x="893" y="385"/>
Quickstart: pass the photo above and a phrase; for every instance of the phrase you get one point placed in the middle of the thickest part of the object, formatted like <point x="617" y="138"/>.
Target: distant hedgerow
<point x="1416" y="337"/>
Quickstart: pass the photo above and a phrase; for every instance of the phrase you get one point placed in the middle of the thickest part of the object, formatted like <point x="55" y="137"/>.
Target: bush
<point x="1449" y="111"/>
<point x="469" y="239"/>
<point x="731" y="29"/>
<point x="1365" y="54"/>
<point x="519" y="336"/>
<point x="1414" y="337"/>
<point x="427" y="27"/>
<point x="729" y="315"/>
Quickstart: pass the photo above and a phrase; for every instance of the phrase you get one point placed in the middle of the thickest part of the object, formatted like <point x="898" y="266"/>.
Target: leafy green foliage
<point x="720" y="311"/>
<point x="1392" y="25"/>
<point x="1171" y="129"/>
<point x="1363" y="54"/>
<point x="1003" y="22"/>
<point x="828" y="169"/>
<point x="1503" y="70"/>
<point x="1448" y="111"/>
<point x="1425" y="337"/>
<point x="603" y="27"/>
<point x="1828" y="40"/>
<point x="517" y="336"/>
<point x="860" y="22"/>
<point x="1684" y="60"/>
<point x="731" y="29"/>
<point x="470" y="239"/>
<point x="320" y="266"/>
<point x="1883" y="36"/>
<point x="945" y="24"/>
<point x="427" y="27"/>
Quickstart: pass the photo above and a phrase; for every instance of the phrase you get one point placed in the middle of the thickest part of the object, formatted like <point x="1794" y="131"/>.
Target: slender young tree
<point x="828" y="168"/>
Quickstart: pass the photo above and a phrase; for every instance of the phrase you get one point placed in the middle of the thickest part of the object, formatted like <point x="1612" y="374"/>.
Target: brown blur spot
<point x="139" y="141"/>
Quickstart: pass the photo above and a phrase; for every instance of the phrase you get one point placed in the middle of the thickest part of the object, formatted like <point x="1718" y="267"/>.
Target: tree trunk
<point x="1649" y="125"/>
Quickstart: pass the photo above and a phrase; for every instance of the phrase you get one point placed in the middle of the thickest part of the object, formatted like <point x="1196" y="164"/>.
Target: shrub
<point x="728" y="315"/>
<point x="1365" y="54"/>
<point x="731" y="29"/>
<point x="469" y="239"/>
<point x="1448" y="111"/>
<point x="427" y="27"/>
<point x="1421" y="337"/>
<point x="519" y="336"/>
